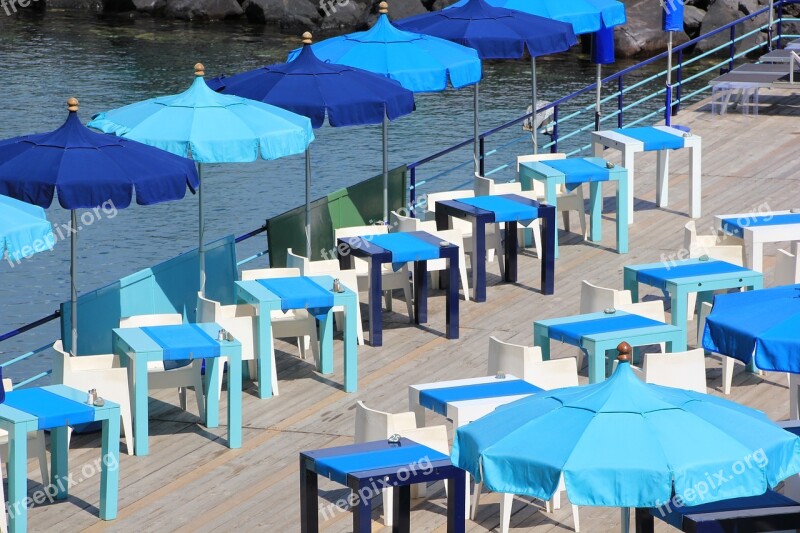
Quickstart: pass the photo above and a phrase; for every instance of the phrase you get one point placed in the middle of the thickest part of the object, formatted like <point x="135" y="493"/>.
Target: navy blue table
<point x="397" y="248"/>
<point x="769" y="512"/>
<point x="508" y="208"/>
<point x="363" y="467"/>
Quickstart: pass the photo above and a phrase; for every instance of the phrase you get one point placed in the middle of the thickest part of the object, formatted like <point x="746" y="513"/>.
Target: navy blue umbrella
<point x="496" y="33"/>
<point x="307" y="86"/>
<point x="88" y="170"/>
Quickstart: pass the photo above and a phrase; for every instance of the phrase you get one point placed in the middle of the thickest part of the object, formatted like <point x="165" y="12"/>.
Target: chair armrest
<point x="434" y="437"/>
<point x="93" y="362"/>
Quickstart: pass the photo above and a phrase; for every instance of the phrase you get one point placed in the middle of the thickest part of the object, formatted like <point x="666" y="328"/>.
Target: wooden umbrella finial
<point x="383" y="8"/>
<point x="625" y="352"/>
<point x="199" y="70"/>
<point x="73" y="105"/>
<point x="307" y="38"/>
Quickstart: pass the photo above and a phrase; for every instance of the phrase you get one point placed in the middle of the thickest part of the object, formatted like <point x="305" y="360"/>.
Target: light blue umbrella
<point x="624" y="443"/>
<point x="24" y="230"/>
<point x="210" y="127"/>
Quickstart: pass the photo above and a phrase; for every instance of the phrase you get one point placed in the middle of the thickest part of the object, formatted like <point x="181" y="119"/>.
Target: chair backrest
<point x="787" y="268"/>
<point x="296" y="261"/>
<point x="487" y="186"/>
<point x="377" y="425"/>
<point x="400" y="223"/>
<point x="555" y="373"/>
<point x="432" y="197"/>
<point x="536" y="185"/>
<point x="140" y="321"/>
<point x="267" y="273"/>
<point x="595" y="298"/>
<point x="358" y="231"/>
<point x="512" y="359"/>
<point x="682" y="370"/>
<point x="653" y="310"/>
<point x="690" y="236"/>
<point x="207" y="310"/>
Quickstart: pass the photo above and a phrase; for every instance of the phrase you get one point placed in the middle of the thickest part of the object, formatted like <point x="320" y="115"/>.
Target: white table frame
<point x="630" y="146"/>
<point x="755" y="236"/>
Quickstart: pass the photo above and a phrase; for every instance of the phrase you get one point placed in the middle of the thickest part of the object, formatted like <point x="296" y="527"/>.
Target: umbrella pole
<point x="476" y="147"/>
<point x="668" y="110"/>
<point x="533" y="105"/>
<point x="72" y="276"/>
<point x="308" y="203"/>
<point x="597" y="97"/>
<point x="201" y="250"/>
<point x="385" y="169"/>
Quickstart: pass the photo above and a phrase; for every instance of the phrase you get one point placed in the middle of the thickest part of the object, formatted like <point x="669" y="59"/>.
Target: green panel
<point x="358" y="205"/>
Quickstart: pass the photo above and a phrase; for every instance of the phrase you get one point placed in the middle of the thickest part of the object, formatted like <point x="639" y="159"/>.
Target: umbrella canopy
<point x="624" y="443"/>
<point x="88" y="170"/>
<point x="761" y="324"/>
<point x="307" y="86"/>
<point x="24" y="230"/>
<point x="671" y="21"/>
<point x="586" y="16"/>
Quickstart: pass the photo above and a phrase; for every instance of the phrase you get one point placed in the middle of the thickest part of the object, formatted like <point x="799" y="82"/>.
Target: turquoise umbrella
<point x="24" y="230"/>
<point x="624" y="443"/>
<point x="210" y="127"/>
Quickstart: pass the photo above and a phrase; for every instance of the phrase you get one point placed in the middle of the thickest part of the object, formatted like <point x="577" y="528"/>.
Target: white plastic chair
<point x="330" y="267"/>
<point x="653" y="310"/>
<point x="595" y="299"/>
<point x="295" y="323"/>
<point x="36" y="448"/>
<point x="681" y="370"/>
<point x="513" y="359"/>
<point x="390" y="279"/>
<point x="374" y="425"/>
<point x="101" y="372"/>
<point x="787" y="268"/>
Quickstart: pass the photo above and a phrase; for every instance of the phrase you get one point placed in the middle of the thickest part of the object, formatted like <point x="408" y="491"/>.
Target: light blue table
<point x="681" y="277"/>
<point x="265" y="301"/>
<point x="136" y="348"/>
<point x="56" y="416"/>
<point x="546" y="172"/>
<point x="597" y="333"/>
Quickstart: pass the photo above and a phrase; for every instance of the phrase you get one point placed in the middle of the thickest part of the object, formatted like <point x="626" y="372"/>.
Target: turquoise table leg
<point x="595" y="211"/>
<point x="109" y="473"/>
<point x="350" y="346"/>
<point x="631" y="283"/>
<point x="212" y="389"/>
<point x="551" y="197"/>
<point x="235" y="400"/>
<point x="679" y="303"/>
<point x="325" y="364"/>
<point x="676" y="342"/>
<point x="59" y="461"/>
<point x="623" y="215"/>
<point x="265" y="351"/>
<point x="140" y="409"/>
<point x="596" y="354"/>
<point x="18" y="479"/>
<point x="541" y="339"/>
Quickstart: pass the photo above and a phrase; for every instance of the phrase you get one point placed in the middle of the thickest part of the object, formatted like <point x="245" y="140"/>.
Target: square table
<point x="508" y="208"/>
<point x="683" y="276"/>
<point x="367" y="468"/>
<point x="138" y="346"/>
<point x="54" y="408"/>
<point x="574" y="172"/>
<point x="757" y="228"/>
<point x="398" y="248"/>
<point x="597" y="333"/>
<point x="662" y="139"/>
<point x="301" y="293"/>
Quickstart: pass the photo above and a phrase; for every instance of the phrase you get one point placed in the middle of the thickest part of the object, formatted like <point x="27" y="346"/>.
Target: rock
<point x="441" y="4"/>
<point x="93" y="5"/>
<point x="400" y="9"/>
<point x="202" y="9"/>
<point x="150" y="6"/>
<point x="699" y="4"/>
<point x="720" y="13"/>
<point x="642" y="34"/>
<point x="692" y="19"/>
<point x="288" y="14"/>
<point x="343" y="14"/>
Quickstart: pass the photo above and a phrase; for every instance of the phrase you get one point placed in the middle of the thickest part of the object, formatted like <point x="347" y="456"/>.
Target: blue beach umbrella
<point x="496" y="33"/>
<point x="671" y="21"/>
<point x="24" y="230"/>
<point x="602" y="54"/>
<point x="347" y="96"/>
<point x="209" y="127"/>
<point x="420" y="63"/>
<point x="88" y="170"/>
<point x="625" y="443"/>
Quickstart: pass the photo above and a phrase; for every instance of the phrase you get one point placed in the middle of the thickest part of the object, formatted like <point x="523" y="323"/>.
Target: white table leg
<point x="695" y="178"/>
<point x="627" y="162"/>
<point x="754" y="252"/>
<point x="597" y="149"/>
<point x="662" y="178"/>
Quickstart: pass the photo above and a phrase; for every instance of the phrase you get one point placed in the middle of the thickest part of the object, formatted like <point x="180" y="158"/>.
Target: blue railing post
<point x="412" y="192"/>
<point x="554" y="148"/>
<point x="482" y="164"/>
<point x="620" y="101"/>
<point x="677" y="107"/>
<point x="780" y="22"/>
<point x="732" y="47"/>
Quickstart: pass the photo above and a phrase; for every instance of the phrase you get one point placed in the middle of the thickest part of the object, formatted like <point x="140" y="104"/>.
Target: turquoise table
<point x="136" y="348"/>
<point x="574" y="172"/>
<point x="54" y="408"/>
<point x="266" y="301"/>
<point x="679" y="278"/>
<point x="597" y="333"/>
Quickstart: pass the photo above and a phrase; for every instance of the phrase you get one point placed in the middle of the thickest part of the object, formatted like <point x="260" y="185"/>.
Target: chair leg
<point x="182" y="397"/>
<point x="506" y="501"/>
<point x="359" y="325"/>
<point x="41" y="451"/>
<point x="338" y="321"/>
<point x="565" y="217"/>
<point x="3" y="518"/>
<point x="407" y="294"/>
<point x="314" y="344"/>
<point x="127" y="427"/>
<point x="794" y="384"/>
<point x="576" y="519"/>
<point x="476" y="499"/>
<point x="727" y="374"/>
<point x="557" y="500"/>
<point x="301" y="347"/>
<point x="498" y="245"/>
<point x="387" y="295"/>
<point x="537" y="237"/>
<point x="388" y="507"/>
<point x="198" y="386"/>
<point x="435" y="280"/>
<point x="464" y="280"/>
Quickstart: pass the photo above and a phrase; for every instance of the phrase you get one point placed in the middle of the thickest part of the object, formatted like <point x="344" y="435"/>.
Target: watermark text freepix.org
<point x="10" y="6"/>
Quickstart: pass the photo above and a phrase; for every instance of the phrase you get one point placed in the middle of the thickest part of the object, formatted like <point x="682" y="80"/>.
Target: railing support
<point x="732" y="47"/>
<point x="412" y="192"/>
<point x="620" y="101"/>
<point x="482" y="160"/>
<point x="677" y="107"/>
<point x="554" y="148"/>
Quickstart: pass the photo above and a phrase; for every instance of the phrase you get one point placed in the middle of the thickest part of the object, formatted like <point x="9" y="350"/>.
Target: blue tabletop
<point x="52" y="410"/>
<point x="659" y="276"/>
<point x="573" y="332"/>
<point x="184" y="341"/>
<point x="653" y="138"/>
<point x="505" y="207"/>
<point x="579" y="170"/>
<point x="300" y="293"/>
<point x="437" y="399"/>
<point x="674" y="514"/>
<point x="735" y="226"/>
<point x="406" y="247"/>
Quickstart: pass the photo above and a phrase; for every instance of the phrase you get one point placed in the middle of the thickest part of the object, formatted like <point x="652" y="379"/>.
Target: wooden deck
<point x="192" y="482"/>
